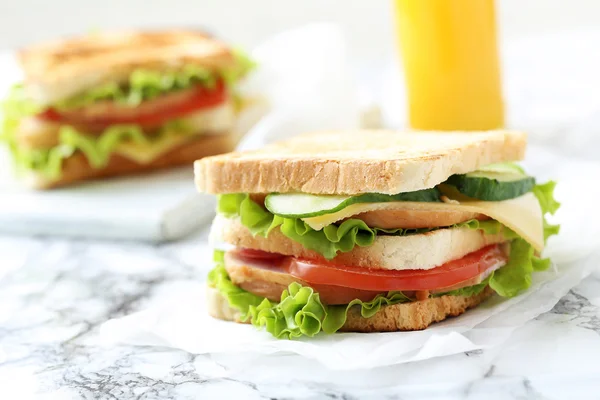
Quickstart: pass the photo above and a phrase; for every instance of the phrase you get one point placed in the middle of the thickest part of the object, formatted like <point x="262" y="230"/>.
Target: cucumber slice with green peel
<point x="493" y="184"/>
<point x="302" y="205"/>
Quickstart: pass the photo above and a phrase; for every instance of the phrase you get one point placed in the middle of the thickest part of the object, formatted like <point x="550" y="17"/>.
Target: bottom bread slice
<point x="76" y="168"/>
<point x="413" y="316"/>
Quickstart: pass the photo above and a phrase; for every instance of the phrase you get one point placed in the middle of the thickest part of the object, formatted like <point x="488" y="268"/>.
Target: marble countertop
<point x="54" y="295"/>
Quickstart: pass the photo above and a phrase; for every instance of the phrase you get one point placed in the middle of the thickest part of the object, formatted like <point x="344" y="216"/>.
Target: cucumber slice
<point x="504" y="167"/>
<point x="495" y="182"/>
<point x="302" y="205"/>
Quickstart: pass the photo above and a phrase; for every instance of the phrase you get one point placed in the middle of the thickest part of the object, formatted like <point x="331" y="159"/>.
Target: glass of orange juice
<point x="450" y="56"/>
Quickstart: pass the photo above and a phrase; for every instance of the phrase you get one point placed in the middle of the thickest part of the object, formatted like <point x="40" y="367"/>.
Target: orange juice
<point x="450" y="56"/>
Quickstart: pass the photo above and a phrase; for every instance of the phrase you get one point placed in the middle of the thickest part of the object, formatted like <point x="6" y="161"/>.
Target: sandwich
<point x="372" y="231"/>
<point x="117" y="103"/>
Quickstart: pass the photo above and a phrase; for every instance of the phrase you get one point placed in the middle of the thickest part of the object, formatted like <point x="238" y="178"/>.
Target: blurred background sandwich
<point x="109" y="104"/>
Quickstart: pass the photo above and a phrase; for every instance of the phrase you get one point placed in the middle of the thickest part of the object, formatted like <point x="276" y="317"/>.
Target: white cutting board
<point x="156" y="207"/>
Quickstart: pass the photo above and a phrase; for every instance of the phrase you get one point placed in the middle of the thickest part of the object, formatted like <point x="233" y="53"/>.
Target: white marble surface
<point x="54" y="295"/>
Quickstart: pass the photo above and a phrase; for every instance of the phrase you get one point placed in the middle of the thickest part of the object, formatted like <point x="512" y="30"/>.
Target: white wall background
<point x="367" y="23"/>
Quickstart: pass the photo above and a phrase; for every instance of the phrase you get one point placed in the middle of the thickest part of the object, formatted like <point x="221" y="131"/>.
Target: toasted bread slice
<point x="412" y="316"/>
<point x="62" y="68"/>
<point x="76" y="168"/>
<point x="422" y="251"/>
<point x="357" y="162"/>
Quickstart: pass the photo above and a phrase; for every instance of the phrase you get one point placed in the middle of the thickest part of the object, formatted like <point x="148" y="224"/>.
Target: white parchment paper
<point x="181" y="321"/>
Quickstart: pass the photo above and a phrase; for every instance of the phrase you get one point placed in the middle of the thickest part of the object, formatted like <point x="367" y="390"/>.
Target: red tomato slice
<point x="264" y="276"/>
<point x="444" y="276"/>
<point x="150" y="113"/>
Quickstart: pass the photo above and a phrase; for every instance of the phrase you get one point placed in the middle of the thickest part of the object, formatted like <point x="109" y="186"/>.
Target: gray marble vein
<point x="575" y="304"/>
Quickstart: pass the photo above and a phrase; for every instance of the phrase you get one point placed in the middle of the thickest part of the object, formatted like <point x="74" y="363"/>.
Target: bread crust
<point x="423" y="251"/>
<point x="61" y="68"/>
<point x="76" y="168"/>
<point x="412" y="316"/>
<point x="357" y="162"/>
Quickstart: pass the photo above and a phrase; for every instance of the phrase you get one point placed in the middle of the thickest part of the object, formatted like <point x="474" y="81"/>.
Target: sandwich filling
<point x="140" y="118"/>
<point x="479" y="230"/>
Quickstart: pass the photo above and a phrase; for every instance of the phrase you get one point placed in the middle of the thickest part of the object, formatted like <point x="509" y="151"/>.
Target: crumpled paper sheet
<point x="181" y="320"/>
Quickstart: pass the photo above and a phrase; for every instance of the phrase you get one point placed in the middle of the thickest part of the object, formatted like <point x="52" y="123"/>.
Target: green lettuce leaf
<point x="15" y="106"/>
<point x="540" y="264"/>
<point x="337" y="315"/>
<point x="328" y="241"/>
<point x="97" y="149"/>
<point x="142" y="85"/>
<point x="229" y="205"/>
<point x="469" y="290"/>
<point x="237" y="297"/>
<point x="550" y="229"/>
<point x="18" y="104"/>
<point x="242" y="66"/>
<point x="516" y="275"/>
<point x="145" y="84"/>
<point x="300" y="311"/>
<point x="545" y="195"/>
<point x="490" y="226"/>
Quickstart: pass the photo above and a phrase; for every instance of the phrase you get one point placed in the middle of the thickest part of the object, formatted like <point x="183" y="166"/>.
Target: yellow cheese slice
<point x="522" y="214"/>
<point x="144" y="153"/>
<point x="216" y="120"/>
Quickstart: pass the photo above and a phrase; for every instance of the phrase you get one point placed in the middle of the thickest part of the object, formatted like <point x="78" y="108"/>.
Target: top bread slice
<point x="62" y="68"/>
<point x="356" y="162"/>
